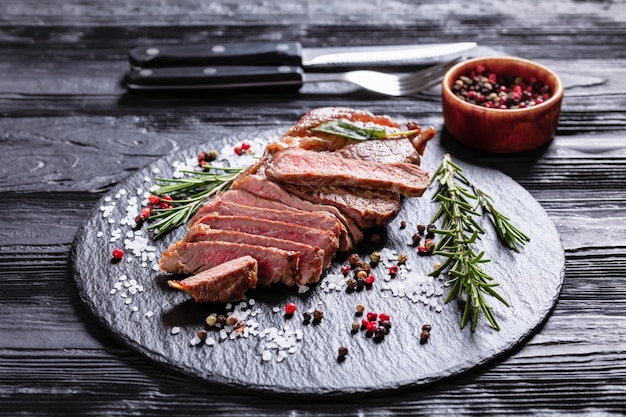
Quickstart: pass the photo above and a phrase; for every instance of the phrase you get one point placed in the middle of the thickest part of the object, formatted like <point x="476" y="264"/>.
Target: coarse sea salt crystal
<point x="175" y="330"/>
<point x="267" y="355"/>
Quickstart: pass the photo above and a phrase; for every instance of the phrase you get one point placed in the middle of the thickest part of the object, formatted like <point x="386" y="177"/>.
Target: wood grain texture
<point x="69" y="133"/>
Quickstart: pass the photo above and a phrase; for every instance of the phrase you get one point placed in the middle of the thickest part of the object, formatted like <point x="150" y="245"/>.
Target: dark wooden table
<point x="69" y="132"/>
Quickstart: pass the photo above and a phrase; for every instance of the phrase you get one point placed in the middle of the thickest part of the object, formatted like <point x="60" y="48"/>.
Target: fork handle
<point x="213" y="78"/>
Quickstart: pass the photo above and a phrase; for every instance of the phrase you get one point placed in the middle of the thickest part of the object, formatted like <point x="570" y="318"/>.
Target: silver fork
<point x="389" y="84"/>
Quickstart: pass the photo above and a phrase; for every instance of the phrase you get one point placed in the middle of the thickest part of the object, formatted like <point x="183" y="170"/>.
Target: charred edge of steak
<point x="227" y="282"/>
<point x="311" y="262"/>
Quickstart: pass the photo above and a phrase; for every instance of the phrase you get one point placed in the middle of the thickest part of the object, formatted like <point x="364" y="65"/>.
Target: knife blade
<point x="290" y="54"/>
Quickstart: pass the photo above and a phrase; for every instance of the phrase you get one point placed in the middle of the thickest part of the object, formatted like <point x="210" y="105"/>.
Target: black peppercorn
<point x="306" y="317"/>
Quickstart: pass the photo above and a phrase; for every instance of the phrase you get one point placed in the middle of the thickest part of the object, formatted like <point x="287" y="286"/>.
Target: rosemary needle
<point x="459" y="202"/>
<point x="186" y="196"/>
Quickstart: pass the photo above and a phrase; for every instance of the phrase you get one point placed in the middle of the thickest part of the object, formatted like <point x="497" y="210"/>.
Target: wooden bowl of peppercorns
<point x="501" y="104"/>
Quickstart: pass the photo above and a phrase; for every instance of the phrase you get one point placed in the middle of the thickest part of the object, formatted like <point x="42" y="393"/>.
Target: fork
<point x="389" y="84"/>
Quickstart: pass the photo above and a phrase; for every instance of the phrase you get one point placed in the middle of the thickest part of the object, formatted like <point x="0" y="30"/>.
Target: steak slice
<point x="301" y="167"/>
<point x="384" y="151"/>
<point x="264" y="188"/>
<point x="311" y="262"/>
<point x="274" y="265"/>
<point x="313" y="220"/>
<point x="321" y="238"/>
<point x="226" y="282"/>
<point x="368" y="208"/>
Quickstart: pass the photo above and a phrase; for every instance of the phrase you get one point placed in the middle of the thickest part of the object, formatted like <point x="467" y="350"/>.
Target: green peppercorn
<point x="402" y="258"/>
<point x="355" y="327"/>
<point x="375" y="257"/>
<point x="211" y="321"/>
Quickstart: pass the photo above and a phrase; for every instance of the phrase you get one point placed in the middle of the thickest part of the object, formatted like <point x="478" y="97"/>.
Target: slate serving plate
<point x="133" y="302"/>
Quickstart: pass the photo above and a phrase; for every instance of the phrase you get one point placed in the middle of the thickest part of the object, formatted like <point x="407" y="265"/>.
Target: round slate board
<point x="133" y="301"/>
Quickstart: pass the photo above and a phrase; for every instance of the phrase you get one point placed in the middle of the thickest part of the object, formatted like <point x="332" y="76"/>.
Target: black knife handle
<point x="214" y="77"/>
<point x="253" y="53"/>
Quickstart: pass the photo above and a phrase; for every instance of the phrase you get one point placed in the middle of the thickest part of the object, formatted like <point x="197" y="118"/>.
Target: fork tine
<point x="422" y="80"/>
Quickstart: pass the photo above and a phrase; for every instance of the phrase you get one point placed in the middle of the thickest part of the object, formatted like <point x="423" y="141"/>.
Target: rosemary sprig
<point x="459" y="201"/>
<point x="187" y="195"/>
<point x="350" y="130"/>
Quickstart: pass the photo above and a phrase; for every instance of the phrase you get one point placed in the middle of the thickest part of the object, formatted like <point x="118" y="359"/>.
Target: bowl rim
<point x="557" y="95"/>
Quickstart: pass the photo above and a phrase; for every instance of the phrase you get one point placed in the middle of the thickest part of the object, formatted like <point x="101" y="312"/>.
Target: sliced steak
<point x="264" y="188"/>
<point x="368" y="208"/>
<point x="226" y="282"/>
<point x="275" y="265"/>
<point x="248" y="199"/>
<point x="384" y="151"/>
<point x="301" y="167"/>
<point x="309" y="219"/>
<point x="321" y="238"/>
<point x="310" y="265"/>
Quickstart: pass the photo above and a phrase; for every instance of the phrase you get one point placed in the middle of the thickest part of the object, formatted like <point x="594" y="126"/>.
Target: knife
<point x="290" y="54"/>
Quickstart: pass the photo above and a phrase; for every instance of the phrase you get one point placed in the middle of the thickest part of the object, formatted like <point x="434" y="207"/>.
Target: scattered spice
<point x="343" y="352"/>
<point x="318" y="315"/>
<point x="117" y="254"/>
<point x="354" y="259"/>
<point x="371" y="316"/>
<point x="355" y="326"/>
<point x="402" y="258"/>
<point x="202" y="334"/>
<point x="290" y="308"/>
<point x="345" y="269"/>
<point x="402" y="224"/>
<point x="211" y="321"/>
<point x="232" y="320"/>
<point x="351" y="283"/>
<point x="306" y="317"/>
<point x="393" y="270"/>
<point x="360" y="308"/>
<point x="361" y="274"/>
<point x="425" y="333"/>
<point x="375" y="258"/>
<point x="370" y="280"/>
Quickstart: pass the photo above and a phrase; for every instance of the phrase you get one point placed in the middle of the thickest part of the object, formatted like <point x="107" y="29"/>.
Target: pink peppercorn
<point x="290" y="308"/>
<point x="370" y="279"/>
<point x="371" y="326"/>
<point x="117" y="254"/>
<point x="245" y="146"/>
<point x="383" y="317"/>
<point x="154" y="199"/>
<point x="393" y="269"/>
<point x="371" y="316"/>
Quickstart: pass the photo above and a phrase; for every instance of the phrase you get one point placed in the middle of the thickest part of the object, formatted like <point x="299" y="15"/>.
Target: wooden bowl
<point x="502" y="130"/>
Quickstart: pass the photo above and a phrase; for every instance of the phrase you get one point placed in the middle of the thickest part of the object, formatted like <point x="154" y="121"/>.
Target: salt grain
<point x="175" y="330"/>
